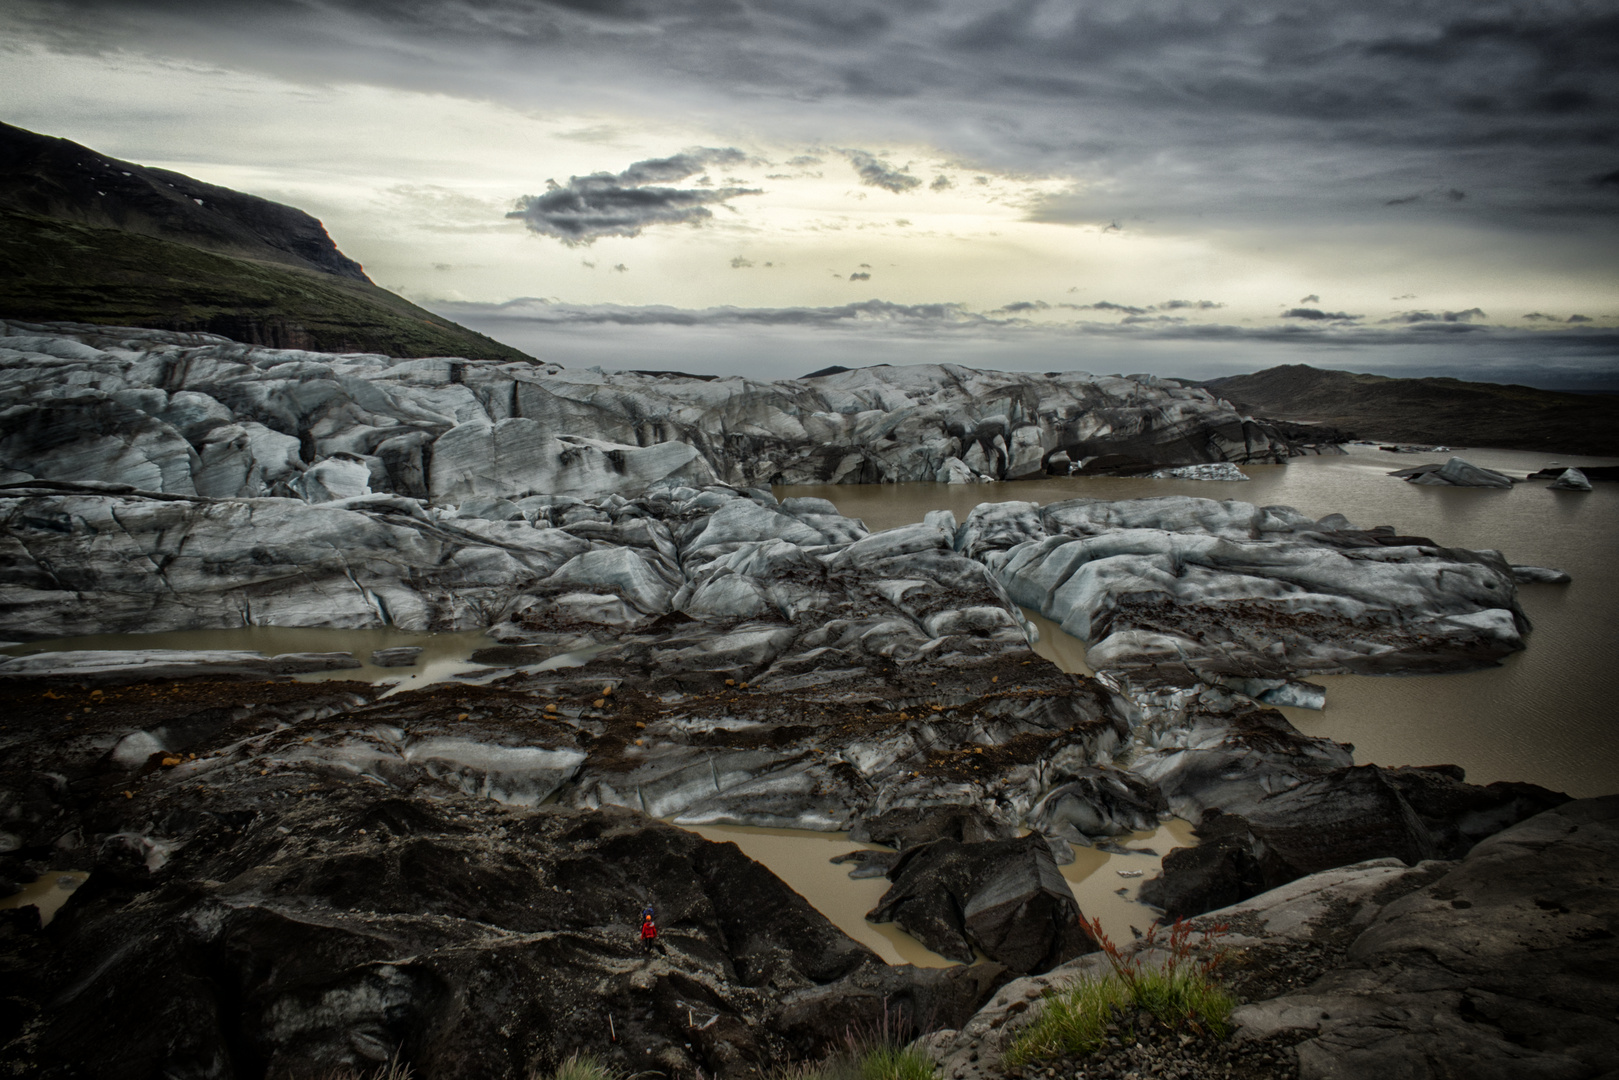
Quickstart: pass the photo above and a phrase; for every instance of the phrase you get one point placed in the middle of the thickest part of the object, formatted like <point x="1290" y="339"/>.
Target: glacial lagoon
<point x="1545" y="716"/>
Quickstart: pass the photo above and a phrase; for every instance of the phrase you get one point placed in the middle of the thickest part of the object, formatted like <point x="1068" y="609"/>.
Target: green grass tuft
<point x="53" y="270"/>
<point x="394" y="1070"/>
<point x="895" y="1063"/>
<point x="1181" y="993"/>
<point x="1075" y="1021"/>
<point x="580" y="1067"/>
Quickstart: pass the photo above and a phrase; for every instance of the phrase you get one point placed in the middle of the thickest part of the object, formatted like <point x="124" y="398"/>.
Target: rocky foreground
<point x="1495" y="966"/>
<point x="289" y="876"/>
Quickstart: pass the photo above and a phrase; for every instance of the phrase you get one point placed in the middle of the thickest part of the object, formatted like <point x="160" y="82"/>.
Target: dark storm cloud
<point x="1412" y="317"/>
<point x="1281" y="111"/>
<point x="1317" y="315"/>
<point x="622" y="204"/>
<point x="875" y="172"/>
<point x="1136" y="315"/>
<point x="1022" y="307"/>
<point x="1108" y="305"/>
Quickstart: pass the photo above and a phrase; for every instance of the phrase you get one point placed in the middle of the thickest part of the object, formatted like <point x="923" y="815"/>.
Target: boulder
<point x="1337" y="819"/>
<point x="1340" y="818"/>
<point x="1004" y="898"/>
<point x="906" y="827"/>
<point x="331" y="480"/>
<point x="1220" y="870"/>
<point x="1502" y="967"/>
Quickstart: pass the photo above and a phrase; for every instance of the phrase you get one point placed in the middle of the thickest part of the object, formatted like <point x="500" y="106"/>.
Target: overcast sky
<point x="731" y="185"/>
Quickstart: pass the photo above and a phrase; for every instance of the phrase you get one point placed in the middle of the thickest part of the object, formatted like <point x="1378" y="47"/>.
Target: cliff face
<point x="192" y="415"/>
<point x="88" y="238"/>
<point x="54" y="178"/>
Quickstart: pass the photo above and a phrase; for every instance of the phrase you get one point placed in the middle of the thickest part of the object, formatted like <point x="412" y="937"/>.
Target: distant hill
<point x="1436" y="410"/>
<point x="88" y="238"/>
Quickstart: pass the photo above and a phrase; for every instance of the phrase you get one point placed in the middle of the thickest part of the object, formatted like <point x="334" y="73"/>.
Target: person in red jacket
<point x="649" y="933"/>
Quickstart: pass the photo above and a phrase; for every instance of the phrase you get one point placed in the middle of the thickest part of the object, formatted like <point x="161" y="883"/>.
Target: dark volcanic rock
<point x="1005" y="898"/>
<point x="912" y="826"/>
<point x="1505" y="967"/>
<point x="903" y="1000"/>
<point x="1341" y="818"/>
<point x="283" y="936"/>
<point x="1337" y="819"/>
<point x="1221" y="870"/>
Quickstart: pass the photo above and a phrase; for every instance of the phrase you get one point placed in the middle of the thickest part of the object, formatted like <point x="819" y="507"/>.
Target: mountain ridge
<point x="1438" y="409"/>
<point x="89" y="238"/>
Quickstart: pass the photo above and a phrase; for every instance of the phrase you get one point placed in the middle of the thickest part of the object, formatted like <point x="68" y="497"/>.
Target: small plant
<point x="577" y="1066"/>
<point x="1181" y="992"/>
<point x="891" y="1062"/>
<point x="881" y="1051"/>
<point x="872" y="1050"/>
<point x="394" y="1070"/>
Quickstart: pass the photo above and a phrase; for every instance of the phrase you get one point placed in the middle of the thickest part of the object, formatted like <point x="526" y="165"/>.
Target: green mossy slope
<point x="55" y="270"/>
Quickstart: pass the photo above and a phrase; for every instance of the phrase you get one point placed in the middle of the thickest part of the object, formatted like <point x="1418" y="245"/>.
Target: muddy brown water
<point x="802" y="860"/>
<point x="1548" y="715"/>
<point x="48" y="893"/>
